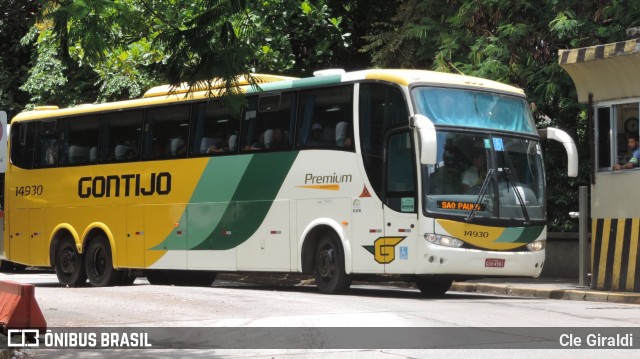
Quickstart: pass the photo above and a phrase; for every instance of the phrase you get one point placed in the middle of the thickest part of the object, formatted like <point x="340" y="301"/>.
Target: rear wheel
<point x="329" y="270"/>
<point x="69" y="264"/>
<point x="433" y="287"/>
<point x="99" y="264"/>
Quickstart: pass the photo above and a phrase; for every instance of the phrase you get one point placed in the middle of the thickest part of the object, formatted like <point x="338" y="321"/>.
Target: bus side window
<point x="166" y="132"/>
<point x="215" y="129"/>
<point x="326" y="118"/>
<point x="23" y="138"/>
<point x="79" y="140"/>
<point x="269" y="122"/>
<point x="121" y="135"/>
<point x="47" y="144"/>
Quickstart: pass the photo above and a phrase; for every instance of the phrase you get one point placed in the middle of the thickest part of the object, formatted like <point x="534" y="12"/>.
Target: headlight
<point x="537" y="245"/>
<point x="443" y="240"/>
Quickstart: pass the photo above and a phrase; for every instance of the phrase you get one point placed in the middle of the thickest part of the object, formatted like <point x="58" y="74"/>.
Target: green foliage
<point x="15" y="19"/>
<point x="114" y="50"/>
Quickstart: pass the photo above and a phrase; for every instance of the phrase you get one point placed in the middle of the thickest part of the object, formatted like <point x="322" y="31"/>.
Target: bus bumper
<point x="472" y="262"/>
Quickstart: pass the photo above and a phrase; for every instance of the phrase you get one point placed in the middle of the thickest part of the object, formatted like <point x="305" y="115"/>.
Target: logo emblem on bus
<point x="384" y="249"/>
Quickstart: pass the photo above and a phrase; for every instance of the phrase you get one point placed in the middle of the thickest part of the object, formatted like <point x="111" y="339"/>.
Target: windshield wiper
<point x="525" y="213"/>
<point x="483" y="191"/>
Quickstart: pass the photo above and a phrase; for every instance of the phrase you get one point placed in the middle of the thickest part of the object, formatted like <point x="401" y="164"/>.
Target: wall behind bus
<point x="562" y="255"/>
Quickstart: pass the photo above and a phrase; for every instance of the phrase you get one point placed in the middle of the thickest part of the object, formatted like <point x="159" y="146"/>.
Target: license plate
<point x="494" y="263"/>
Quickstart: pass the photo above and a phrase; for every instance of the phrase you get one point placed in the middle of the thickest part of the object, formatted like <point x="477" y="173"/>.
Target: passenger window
<point x="47" y="144"/>
<point x="269" y="122"/>
<point x="121" y="136"/>
<point x="166" y="132"/>
<point x="215" y="129"/>
<point x="79" y="140"/>
<point x="326" y="118"/>
<point x="23" y="138"/>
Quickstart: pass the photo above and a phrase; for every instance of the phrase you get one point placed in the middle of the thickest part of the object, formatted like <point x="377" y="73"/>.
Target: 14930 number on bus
<point x="34" y="190"/>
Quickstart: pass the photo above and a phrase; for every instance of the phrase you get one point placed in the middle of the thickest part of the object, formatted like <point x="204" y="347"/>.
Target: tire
<point x="69" y="266"/>
<point x="182" y="278"/>
<point x="328" y="267"/>
<point x="433" y="287"/>
<point x="99" y="265"/>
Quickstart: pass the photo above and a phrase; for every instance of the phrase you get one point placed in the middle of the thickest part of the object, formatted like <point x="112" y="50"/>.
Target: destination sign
<point x="463" y="206"/>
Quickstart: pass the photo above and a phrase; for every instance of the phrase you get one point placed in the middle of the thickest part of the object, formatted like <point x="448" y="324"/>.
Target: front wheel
<point x="99" y="264"/>
<point x="69" y="264"/>
<point x="433" y="287"/>
<point x="329" y="270"/>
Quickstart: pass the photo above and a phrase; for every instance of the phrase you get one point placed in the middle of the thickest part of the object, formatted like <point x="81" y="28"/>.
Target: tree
<point x="15" y="19"/>
<point x="127" y="46"/>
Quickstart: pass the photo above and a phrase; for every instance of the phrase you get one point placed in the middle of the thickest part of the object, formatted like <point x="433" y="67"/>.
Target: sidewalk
<point x="551" y="288"/>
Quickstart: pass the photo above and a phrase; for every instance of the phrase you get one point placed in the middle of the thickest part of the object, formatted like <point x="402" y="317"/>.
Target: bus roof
<point x="164" y="94"/>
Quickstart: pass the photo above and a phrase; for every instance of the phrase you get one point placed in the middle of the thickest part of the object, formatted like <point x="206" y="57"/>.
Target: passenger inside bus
<point x="474" y="175"/>
<point x="276" y="140"/>
<point x="315" y="139"/>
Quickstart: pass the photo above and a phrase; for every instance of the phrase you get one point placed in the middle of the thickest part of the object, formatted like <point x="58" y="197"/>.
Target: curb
<point x="549" y="293"/>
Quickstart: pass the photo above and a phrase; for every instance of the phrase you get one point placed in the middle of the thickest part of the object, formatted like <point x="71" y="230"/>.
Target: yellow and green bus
<point x="340" y="175"/>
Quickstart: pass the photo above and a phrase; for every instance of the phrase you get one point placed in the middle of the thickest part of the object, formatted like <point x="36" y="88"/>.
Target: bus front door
<point x="400" y="211"/>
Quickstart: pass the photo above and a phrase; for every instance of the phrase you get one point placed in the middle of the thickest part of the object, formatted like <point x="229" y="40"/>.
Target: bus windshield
<point x="458" y="107"/>
<point x="485" y="176"/>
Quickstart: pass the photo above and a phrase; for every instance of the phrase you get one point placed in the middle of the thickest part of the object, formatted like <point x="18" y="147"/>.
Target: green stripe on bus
<point x="251" y="201"/>
<point x="209" y="200"/>
<point x="520" y="234"/>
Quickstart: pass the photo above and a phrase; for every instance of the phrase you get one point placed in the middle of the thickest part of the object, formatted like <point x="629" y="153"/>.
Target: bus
<point x="340" y="175"/>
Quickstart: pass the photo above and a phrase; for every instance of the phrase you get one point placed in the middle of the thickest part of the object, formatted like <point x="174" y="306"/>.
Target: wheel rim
<point x="326" y="263"/>
<point x="99" y="262"/>
<point x="68" y="261"/>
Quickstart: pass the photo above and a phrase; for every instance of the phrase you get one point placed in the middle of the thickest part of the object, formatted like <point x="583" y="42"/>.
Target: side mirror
<point x="428" y="139"/>
<point x="569" y="146"/>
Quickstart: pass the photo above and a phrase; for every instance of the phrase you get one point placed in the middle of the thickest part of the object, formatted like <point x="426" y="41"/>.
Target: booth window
<point x="614" y="125"/>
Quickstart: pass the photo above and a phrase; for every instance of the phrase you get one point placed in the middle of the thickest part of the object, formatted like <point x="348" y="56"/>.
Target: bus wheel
<point x="433" y="287"/>
<point x="329" y="267"/>
<point x="99" y="265"/>
<point x="69" y="264"/>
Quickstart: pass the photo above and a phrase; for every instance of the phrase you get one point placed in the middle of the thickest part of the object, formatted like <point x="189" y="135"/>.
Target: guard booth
<point x="607" y="78"/>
